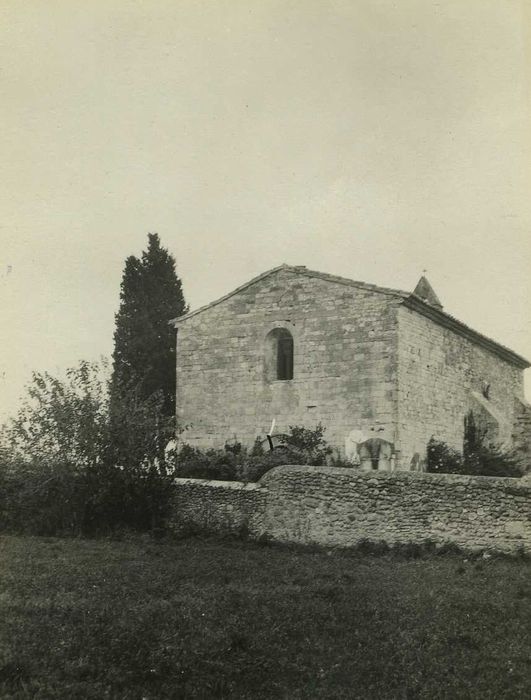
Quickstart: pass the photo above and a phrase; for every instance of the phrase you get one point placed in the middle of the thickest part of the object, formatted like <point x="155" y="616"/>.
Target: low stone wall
<point x="226" y="507"/>
<point x="340" y="507"/>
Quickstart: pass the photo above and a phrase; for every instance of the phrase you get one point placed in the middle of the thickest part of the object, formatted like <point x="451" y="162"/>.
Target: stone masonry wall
<point x="340" y="507"/>
<point x="440" y="378"/>
<point x="344" y="362"/>
<point x="225" y="507"/>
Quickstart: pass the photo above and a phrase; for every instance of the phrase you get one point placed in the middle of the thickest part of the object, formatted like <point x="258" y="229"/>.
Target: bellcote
<point x="424" y="291"/>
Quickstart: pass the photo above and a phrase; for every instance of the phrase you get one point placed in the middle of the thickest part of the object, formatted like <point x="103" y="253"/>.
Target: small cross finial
<point x="424" y="272"/>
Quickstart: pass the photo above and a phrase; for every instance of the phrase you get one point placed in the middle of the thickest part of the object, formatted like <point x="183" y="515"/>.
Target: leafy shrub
<point x="301" y="446"/>
<point x="224" y="465"/>
<point x="57" y="499"/>
<point x="235" y="463"/>
<point x="483" y="457"/>
<point x="121" y="499"/>
<point x="258" y="448"/>
<point x="492" y="460"/>
<point x="64" y="469"/>
<point x="443" y="459"/>
<point x="255" y="467"/>
<point x="479" y="458"/>
<point x="44" y="499"/>
<point x="309" y="443"/>
<point x="191" y="462"/>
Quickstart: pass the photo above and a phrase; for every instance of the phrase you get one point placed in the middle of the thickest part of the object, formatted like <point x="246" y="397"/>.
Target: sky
<point x="370" y="139"/>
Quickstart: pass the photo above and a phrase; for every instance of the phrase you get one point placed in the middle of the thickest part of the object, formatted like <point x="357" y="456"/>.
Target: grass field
<point x="203" y="618"/>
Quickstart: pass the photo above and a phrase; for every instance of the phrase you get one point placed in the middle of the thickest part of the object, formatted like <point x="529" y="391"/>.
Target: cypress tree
<point x="144" y="343"/>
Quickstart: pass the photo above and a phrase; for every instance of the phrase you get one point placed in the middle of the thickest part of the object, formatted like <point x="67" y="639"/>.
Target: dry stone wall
<point x="224" y="507"/>
<point x="340" y="507"/>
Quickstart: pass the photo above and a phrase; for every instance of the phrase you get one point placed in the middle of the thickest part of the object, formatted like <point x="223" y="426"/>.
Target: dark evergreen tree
<point x="144" y="342"/>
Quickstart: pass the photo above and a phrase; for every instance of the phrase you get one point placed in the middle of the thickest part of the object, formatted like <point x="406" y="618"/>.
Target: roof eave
<point x="444" y="319"/>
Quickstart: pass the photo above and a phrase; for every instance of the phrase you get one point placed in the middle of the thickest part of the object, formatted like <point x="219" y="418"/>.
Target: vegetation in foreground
<point x="86" y="452"/>
<point x="480" y="456"/>
<point x="205" y="618"/>
<point x="300" y="445"/>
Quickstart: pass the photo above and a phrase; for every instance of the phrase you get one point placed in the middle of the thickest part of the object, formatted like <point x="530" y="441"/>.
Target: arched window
<point x="279" y="355"/>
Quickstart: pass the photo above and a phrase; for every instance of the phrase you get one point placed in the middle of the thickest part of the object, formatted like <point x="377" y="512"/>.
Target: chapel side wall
<point x="437" y="372"/>
<point x="344" y="363"/>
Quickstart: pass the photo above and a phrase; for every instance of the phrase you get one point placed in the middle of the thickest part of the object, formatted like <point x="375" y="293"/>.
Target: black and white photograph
<point x="265" y="386"/>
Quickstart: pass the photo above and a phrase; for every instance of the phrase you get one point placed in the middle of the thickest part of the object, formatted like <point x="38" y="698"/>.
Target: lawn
<point x="200" y="618"/>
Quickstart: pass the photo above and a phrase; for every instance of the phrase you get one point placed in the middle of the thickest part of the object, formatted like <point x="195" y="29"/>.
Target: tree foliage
<point x="64" y="470"/>
<point x="442" y="459"/>
<point x="300" y="445"/>
<point x="144" y="342"/>
<point x="62" y="420"/>
<point x="85" y="453"/>
<point x="310" y="442"/>
<point x="139" y="431"/>
<point x="480" y="457"/>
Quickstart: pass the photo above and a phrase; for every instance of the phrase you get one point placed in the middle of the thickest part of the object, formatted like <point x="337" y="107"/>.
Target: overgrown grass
<point x="203" y="618"/>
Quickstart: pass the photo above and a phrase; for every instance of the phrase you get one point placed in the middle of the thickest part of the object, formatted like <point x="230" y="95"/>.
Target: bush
<point x="255" y="467"/>
<point x="235" y="463"/>
<point x="483" y="457"/>
<point x="193" y="463"/>
<point x="492" y="460"/>
<point x="308" y="443"/>
<point x="64" y="469"/>
<point x="47" y="499"/>
<point x="443" y="459"/>
<point x="479" y="458"/>
<point x="58" y="499"/>
<point x="224" y="465"/>
<point x="121" y="499"/>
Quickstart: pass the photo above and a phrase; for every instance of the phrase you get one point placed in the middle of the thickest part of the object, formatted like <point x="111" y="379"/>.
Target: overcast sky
<point x="366" y="138"/>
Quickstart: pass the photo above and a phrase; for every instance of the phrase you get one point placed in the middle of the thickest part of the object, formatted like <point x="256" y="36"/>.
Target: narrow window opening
<point x="285" y="357"/>
<point x="279" y="355"/>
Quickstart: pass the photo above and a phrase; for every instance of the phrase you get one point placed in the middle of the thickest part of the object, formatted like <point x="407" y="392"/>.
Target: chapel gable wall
<point x="344" y="362"/>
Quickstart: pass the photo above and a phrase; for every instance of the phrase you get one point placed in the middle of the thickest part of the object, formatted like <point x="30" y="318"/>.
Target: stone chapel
<point x="300" y="347"/>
